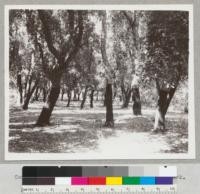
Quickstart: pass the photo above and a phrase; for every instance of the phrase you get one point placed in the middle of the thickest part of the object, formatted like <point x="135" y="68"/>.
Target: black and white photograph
<point x="99" y="82"/>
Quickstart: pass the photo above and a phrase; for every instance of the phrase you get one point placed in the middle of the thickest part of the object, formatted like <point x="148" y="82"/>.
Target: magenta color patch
<point x="79" y="181"/>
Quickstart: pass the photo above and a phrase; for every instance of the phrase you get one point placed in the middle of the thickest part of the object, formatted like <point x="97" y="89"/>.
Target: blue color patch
<point x="147" y="180"/>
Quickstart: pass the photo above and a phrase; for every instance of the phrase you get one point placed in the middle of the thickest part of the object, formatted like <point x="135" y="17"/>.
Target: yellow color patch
<point x="114" y="180"/>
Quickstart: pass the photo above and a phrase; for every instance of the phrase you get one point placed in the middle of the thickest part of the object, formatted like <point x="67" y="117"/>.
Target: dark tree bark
<point x="69" y="95"/>
<point x="127" y="99"/>
<point x="62" y="94"/>
<point x="75" y="97"/>
<point x="29" y="95"/>
<point x="44" y="94"/>
<point x="97" y="96"/>
<point x="109" y="106"/>
<point x="104" y="100"/>
<point x="120" y="98"/>
<point x="91" y="98"/>
<point x="136" y="102"/>
<point x="25" y="86"/>
<point x="19" y="85"/>
<point x="84" y="97"/>
<point x="51" y="101"/>
<point x="164" y="98"/>
<point x="186" y="104"/>
<point x="79" y="96"/>
<point x="15" y="60"/>
<point x="186" y="109"/>
<point x="37" y="94"/>
<point x="126" y="96"/>
<point x="28" y="84"/>
<point x="115" y="90"/>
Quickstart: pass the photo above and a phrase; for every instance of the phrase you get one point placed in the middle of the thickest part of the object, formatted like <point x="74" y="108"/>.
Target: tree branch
<point x="157" y="85"/>
<point x="47" y="33"/>
<point x="132" y="24"/>
<point x="76" y="39"/>
<point x="130" y="20"/>
<point x="44" y="65"/>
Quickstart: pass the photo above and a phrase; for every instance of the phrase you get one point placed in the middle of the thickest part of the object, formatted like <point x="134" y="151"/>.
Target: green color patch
<point x="131" y="180"/>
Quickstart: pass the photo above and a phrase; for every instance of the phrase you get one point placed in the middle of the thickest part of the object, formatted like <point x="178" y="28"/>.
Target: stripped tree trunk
<point x="164" y="98"/>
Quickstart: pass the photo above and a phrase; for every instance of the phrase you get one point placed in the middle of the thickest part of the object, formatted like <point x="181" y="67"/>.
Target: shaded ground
<point x="73" y="130"/>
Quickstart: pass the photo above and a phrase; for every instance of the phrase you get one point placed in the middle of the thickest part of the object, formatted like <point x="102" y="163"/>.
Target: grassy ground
<point x="73" y="130"/>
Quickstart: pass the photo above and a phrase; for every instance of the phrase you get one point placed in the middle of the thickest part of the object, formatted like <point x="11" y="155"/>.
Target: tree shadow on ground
<point x="76" y="130"/>
<point x="177" y="136"/>
<point x="39" y="141"/>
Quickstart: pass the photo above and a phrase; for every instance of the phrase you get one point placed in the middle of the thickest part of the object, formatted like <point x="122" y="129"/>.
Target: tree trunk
<point x="136" y="102"/>
<point x="160" y="111"/>
<point x="127" y="97"/>
<point x="120" y="98"/>
<point x="104" y="101"/>
<point x="20" y="89"/>
<point x="29" y="95"/>
<point x="29" y="83"/>
<point x="115" y="90"/>
<point x="48" y="108"/>
<point x="97" y="97"/>
<point x="164" y="99"/>
<point x="79" y="96"/>
<point x="91" y="98"/>
<point x="44" y="94"/>
<point x="108" y="94"/>
<point x="75" y="97"/>
<point x="62" y="94"/>
<point x="37" y="94"/>
<point x="84" y="97"/>
<point x="109" y="106"/>
<point x="123" y="93"/>
<point x="186" y="109"/>
<point x="26" y="85"/>
<point x="69" y="95"/>
<point x="186" y="104"/>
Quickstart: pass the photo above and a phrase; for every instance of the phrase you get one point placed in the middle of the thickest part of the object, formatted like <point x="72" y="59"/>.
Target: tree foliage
<point x="167" y="46"/>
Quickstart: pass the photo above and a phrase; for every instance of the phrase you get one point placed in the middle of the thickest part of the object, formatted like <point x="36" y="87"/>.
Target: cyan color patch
<point x="147" y="180"/>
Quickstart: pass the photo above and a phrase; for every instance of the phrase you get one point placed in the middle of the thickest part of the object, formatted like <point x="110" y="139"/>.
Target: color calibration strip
<point x="73" y="181"/>
<point x="98" y="175"/>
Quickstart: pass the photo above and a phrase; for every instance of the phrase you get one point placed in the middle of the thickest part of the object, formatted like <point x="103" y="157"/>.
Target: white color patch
<point x="62" y="181"/>
<point x="168" y="171"/>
